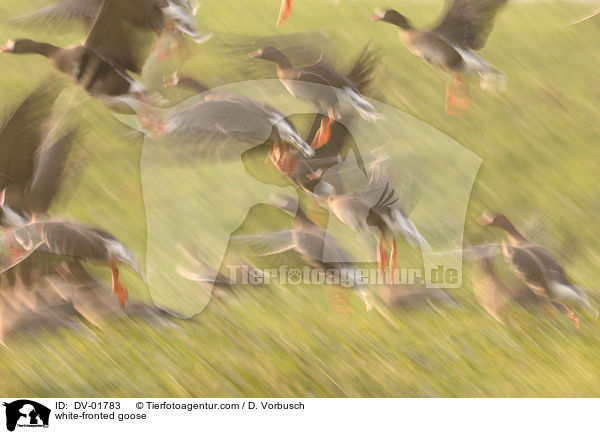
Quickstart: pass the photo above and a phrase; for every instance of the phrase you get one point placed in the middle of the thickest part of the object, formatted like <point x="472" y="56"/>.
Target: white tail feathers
<point x="124" y="255"/>
<point x="492" y="78"/>
<point x="289" y="135"/>
<point x="359" y="102"/>
<point x="184" y="22"/>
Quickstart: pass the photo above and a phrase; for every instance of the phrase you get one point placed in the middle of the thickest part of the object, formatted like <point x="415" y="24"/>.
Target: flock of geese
<point x="42" y="256"/>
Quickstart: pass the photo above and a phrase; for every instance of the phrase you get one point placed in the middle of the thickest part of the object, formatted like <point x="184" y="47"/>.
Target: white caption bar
<point x="45" y="416"/>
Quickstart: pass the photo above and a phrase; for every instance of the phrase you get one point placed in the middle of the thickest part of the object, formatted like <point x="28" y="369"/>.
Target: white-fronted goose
<point x="306" y="172"/>
<point x="60" y="298"/>
<point x="449" y="45"/>
<point x="308" y="240"/>
<point x="537" y="269"/>
<point x="118" y="43"/>
<point x="376" y="207"/>
<point x="67" y="239"/>
<point x="320" y="84"/>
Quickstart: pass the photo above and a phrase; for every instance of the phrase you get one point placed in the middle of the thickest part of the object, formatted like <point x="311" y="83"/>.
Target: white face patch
<point x="9" y="46"/>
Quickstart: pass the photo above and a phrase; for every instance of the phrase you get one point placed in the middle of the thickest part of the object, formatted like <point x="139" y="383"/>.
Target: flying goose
<point x="537" y="269"/>
<point x="308" y="240"/>
<point x="306" y="172"/>
<point x="450" y="45"/>
<point x="69" y="239"/>
<point x="118" y="43"/>
<point x="374" y="207"/>
<point x="320" y="84"/>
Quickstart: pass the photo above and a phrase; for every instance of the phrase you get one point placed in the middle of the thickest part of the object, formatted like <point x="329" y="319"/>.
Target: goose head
<point x="271" y="54"/>
<point x="393" y="17"/>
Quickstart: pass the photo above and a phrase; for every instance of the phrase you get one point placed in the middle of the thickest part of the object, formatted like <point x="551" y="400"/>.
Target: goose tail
<point x="288" y="134"/>
<point x="360" y="104"/>
<point x="585" y="302"/>
<point x="491" y="78"/>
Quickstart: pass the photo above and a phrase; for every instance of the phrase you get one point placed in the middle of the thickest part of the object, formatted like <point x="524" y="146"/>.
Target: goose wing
<point x="468" y="23"/>
<point x="554" y="270"/>
<point x="50" y="166"/>
<point x="208" y="121"/>
<point x="267" y="244"/>
<point x="321" y="73"/>
<point x="529" y="269"/>
<point x="56" y="15"/>
<point x="123" y="31"/>
<point x="21" y="135"/>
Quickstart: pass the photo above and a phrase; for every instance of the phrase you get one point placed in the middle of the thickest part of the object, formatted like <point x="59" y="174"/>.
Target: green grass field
<point x="539" y="145"/>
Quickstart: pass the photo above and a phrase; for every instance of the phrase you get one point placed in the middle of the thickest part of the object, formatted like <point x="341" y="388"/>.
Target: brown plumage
<point x="203" y="124"/>
<point x="322" y="85"/>
<point x="59" y="298"/>
<point x="309" y="241"/>
<point x="30" y="169"/>
<point x="306" y="172"/>
<point x="448" y="45"/>
<point x="494" y="295"/>
<point x="537" y="268"/>
<point x="119" y="42"/>
<point x="67" y="239"/>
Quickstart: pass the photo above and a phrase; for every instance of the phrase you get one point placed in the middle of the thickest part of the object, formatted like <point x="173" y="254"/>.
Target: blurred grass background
<point x="539" y="144"/>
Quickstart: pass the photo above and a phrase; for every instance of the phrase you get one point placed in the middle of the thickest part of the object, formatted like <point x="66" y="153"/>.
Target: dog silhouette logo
<point x="26" y="413"/>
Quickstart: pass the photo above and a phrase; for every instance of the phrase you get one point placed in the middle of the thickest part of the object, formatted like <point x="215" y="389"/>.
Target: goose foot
<point x="393" y="262"/>
<point x="457" y="99"/>
<point x="284" y="12"/>
<point x="381" y="253"/>
<point x="573" y="318"/>
<point x="323" y="134"/>
<point x="119" y="289"/>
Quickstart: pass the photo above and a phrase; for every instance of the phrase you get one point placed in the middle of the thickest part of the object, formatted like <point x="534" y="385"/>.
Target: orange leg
<point x="278" y="148"/>
<point x="118" y="288"/>
<point x="323" y="134"/>
<point x="381" y="252"/>
<point x="284" y="12"/>
<point x="457" y="100"/>
<point x="571" y="316"/>
<point x="393" y="262"/>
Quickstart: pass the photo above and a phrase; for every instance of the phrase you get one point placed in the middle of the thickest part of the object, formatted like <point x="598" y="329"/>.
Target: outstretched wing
<point x="468" y="23"/>
<point x="22" y="133"/>
<point x="48" y="172"/>
<point x="58" y="14"/>
<point x="124" y="31"/>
